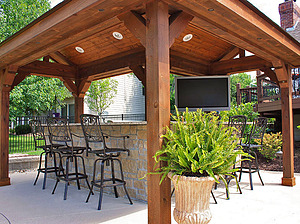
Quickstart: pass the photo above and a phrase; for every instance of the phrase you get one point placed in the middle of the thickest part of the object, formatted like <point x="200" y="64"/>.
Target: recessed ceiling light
<point x="187" y="37"/>
<point x="211" y="9"/>
<point x="117" y="35"/>
<point x="79" y="49"/>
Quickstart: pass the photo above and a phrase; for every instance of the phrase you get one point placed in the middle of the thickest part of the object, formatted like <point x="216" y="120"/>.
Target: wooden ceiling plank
<point x="178" y="25"/>
<point x="135" y="25"/>
<point x="239" y="65"/>
<point x="48" y="68"/>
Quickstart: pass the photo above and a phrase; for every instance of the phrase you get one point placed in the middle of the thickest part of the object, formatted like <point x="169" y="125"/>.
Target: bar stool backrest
<point x="239" y="123"/>
<point x="38" y="133"/>
<point x="59" y="131"/>
<point x="258" y="129"/>
<point x="92" y="130"/>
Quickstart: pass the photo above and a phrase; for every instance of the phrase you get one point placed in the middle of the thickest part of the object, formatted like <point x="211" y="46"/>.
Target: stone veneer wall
<point x="134" y="165"/>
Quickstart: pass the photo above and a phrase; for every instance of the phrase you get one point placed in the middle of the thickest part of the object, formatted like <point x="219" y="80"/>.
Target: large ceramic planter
<point x="192" y="196"/>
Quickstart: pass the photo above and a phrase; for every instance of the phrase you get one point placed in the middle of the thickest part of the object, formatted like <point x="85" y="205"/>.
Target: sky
<point x="268" y="7"/>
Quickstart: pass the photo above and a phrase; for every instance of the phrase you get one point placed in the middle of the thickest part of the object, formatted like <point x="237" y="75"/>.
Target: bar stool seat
<point x="107" y="156"/>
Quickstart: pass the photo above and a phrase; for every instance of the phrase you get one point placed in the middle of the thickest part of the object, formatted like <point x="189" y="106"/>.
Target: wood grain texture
<point x="158" y="106"/>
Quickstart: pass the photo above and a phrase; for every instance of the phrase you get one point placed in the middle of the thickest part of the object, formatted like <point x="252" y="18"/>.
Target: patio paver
<point x="23" y="203"/>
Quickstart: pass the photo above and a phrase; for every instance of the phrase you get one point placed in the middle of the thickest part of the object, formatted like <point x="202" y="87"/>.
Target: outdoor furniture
<point x="59" y="131"/>
<point x="41" y="143"/>
<point x="107" y="156"/>
<point x="257" y="133"/>
<point x="239" y="123"/>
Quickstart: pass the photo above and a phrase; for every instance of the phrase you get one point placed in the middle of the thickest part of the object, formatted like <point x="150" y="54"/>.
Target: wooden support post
<point x="283" y="74"/>
<point x="238" y="94"/>
<point x="79" y="108"/>
<point x="6" y="79"/>
<point x="158" y="105"/>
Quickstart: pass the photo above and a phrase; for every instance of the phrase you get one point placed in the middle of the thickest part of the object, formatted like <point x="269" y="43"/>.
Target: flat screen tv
<point x="209" y="93"/>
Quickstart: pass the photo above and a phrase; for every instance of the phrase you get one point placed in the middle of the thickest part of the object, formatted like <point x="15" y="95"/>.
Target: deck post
<point x="158" y="105"/>
<point x="238" y="94"/>
<point x="288" y="178"/>
<point x="7" y="77"/>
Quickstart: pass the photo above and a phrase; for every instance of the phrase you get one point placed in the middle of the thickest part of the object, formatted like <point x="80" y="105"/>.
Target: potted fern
<point x="198" y="150"/>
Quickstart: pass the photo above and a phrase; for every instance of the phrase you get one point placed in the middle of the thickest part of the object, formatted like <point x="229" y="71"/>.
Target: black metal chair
<point x="257" y="133"/>
<point x="59" y="132"/>
<point x="239" y="123"/>
<point x="107" y="156"/>
<point x="40" y="142"/>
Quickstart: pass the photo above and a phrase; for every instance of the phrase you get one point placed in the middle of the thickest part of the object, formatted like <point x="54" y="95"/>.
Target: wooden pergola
<point x="151" y="48"/>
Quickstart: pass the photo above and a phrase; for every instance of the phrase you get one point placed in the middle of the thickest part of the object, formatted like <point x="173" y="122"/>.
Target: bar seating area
<point x="71" y="165"/>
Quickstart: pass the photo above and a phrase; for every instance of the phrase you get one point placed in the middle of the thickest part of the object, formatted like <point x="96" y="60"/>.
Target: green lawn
<point x="22" y="144"/>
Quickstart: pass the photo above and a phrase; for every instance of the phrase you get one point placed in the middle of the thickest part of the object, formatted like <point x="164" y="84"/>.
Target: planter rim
<point x="190" y="178"/>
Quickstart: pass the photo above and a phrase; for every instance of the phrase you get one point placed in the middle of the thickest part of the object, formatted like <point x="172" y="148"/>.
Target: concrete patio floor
<point x="23" y="203"/>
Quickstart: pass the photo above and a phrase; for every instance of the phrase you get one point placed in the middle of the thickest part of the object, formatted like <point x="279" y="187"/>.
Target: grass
<point x="22" y="144"/>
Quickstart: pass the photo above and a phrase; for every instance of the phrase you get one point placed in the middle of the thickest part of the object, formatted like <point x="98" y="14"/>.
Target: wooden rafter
<point x="60" y="58"/>
<point x="230" y="54"/>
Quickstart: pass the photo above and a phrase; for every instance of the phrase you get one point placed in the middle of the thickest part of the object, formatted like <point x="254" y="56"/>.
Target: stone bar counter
<point x="134" y="165"/>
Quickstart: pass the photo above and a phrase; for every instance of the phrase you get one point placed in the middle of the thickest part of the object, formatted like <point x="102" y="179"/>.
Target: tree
<point x="100" y="95"/>
<point x="16" y="14"/>
<point x="242" y="78"/>
<point x="36" y="95"/>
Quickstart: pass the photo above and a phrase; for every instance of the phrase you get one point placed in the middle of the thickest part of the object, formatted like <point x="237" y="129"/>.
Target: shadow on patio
<point x="24" y="203"/>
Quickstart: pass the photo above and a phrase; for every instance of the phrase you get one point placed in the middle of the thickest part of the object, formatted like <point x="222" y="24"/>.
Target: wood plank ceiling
<point x="221" y="30"/>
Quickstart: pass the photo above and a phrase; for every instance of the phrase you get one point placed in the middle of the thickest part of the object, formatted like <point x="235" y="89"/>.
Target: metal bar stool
<point x="257" y="133"/>
<point x="107" y="156"/>
<point x="41" y="143"/>
<point x="59" y="131"/>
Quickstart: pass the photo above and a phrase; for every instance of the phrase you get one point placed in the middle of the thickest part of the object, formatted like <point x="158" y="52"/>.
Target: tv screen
<point x="209" y="93"/>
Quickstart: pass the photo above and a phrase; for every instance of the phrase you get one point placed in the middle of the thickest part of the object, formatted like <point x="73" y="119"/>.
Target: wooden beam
<point x="48" y="68"/>
<point x="239" y="65"/>
<point x="83" y="86"/>
<point x="61" y="59"/>
<point x="288" y="178"/>
<point x="19" y="78"/>
<point x="139" y="72"/>
<point x="112" y="63"/>
<point x="70" y="85"/>
<point x="178" y="25"/>
<point x="271" y="74"/>
<point x="230" y="54"/>
<point x="6" y="80"/>
<point x="158" y="106"/>
<point x="242" y="53"/>
<point x="135" y="24"/>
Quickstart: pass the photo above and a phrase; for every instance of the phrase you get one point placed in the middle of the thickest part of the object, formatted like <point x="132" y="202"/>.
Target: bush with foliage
<point x="272" y="143"/>
<point x="198" y="144"/>
<point x="242" y="109"/>
<point x="23" y="129"/>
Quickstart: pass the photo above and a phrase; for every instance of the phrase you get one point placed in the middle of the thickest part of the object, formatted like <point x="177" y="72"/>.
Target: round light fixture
<point x="117" y="35"/>
<point x="187" y="37"/>
<point x="79" y="49"/>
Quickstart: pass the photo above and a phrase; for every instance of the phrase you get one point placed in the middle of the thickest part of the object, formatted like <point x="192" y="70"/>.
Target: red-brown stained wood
<point x="19" y="78"/>
<point x="70" y="85"/>
<point x="48" y="68"/>
<point x="287" y="126"/>
<point x="158" y="106"/>
<point x="79" y="108"/>
<point x="6" y="81"/>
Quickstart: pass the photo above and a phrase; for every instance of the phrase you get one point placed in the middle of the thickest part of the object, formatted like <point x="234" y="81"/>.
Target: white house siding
<point x="128" y="100"/>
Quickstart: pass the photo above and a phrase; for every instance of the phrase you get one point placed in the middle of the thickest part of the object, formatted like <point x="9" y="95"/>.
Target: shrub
<point x="243" y="109"/>
<point x="272" y="143"/>
<point x="23" y="129"/>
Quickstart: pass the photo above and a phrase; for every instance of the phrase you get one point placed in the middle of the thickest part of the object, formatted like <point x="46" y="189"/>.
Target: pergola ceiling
<point x="221" y="30"/>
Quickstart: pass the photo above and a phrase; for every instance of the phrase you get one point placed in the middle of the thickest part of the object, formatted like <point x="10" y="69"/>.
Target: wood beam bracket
<point x="139" y="72"/>
<point x="7" y="77"/>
